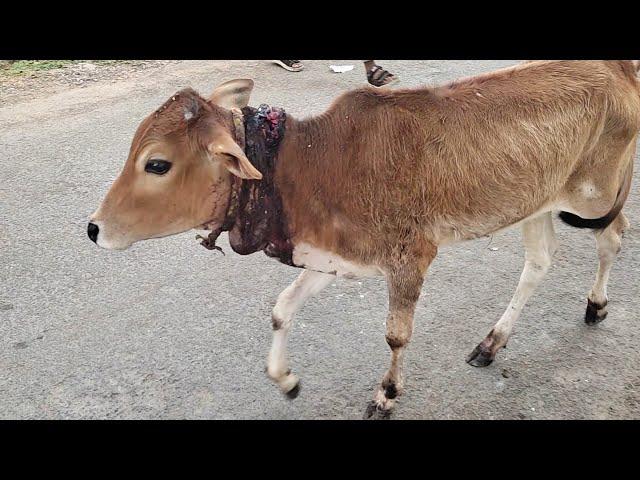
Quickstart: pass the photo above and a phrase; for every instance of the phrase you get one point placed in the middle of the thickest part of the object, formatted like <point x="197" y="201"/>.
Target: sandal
<point x="379" y="77"/>
<point x="291" y="65"/>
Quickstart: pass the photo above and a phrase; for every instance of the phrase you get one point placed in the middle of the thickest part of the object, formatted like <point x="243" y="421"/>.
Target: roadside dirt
<point x="17" y="88"/>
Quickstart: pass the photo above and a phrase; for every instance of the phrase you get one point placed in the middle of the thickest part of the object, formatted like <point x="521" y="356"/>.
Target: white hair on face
<point x="191" y="110"/>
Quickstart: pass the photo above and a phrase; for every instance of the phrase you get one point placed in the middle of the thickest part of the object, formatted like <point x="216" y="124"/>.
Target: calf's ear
<point x="233" y="94"/>
<point x="233" y="158"/>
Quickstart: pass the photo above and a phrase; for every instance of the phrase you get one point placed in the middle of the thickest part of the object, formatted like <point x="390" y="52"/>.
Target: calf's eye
<point x="159" y="167"/>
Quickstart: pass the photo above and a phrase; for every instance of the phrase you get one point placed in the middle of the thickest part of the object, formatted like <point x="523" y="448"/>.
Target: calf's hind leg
<point x="292" y="298"/>
<point x="608" y="243"/>
<point x="540" y="244"/>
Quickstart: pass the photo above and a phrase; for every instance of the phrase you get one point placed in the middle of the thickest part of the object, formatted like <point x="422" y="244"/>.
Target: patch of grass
<point x="26" y="66"/>
<point x="29" y="67"/>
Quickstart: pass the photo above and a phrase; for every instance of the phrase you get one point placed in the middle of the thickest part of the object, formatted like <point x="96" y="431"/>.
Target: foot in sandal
<point x="291" y="65"/>
<point x="378" y="76"/>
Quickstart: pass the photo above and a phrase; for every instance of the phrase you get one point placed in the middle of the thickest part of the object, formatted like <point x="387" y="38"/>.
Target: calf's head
<point x="179" y="171"/>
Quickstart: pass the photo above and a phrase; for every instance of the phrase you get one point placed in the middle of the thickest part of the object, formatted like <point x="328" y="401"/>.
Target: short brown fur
<point x="460" y="161"/>
<point x="385" y="177"/>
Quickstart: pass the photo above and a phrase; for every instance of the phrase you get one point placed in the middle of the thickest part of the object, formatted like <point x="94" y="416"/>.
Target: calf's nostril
<point x="92" y="231"/>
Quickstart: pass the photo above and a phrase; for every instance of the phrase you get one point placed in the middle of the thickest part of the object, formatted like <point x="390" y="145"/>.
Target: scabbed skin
<point x="260" y="223"/>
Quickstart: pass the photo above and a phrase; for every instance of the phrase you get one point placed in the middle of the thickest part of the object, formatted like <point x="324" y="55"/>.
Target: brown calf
<point x="383" y="178"/>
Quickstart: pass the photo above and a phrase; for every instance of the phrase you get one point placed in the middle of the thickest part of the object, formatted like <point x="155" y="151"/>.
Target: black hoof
<point x="373" y="412"/>
<point x="479" y="357"/>
<point x="293" y="393"/>
<point x="592" y="316"/>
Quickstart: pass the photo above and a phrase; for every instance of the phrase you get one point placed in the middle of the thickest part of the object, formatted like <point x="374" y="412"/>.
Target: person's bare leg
<point x="368" y="65"/>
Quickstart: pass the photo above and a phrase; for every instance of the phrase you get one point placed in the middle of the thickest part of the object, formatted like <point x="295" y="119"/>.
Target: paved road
<point x="170" y="330"/>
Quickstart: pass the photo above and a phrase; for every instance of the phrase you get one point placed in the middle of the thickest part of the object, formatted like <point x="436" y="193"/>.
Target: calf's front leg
<point x="307" y="284"/>
<point x="404" y="282"/>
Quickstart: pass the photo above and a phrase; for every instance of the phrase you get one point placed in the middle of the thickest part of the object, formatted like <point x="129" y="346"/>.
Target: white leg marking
<point x="307" y="284"/>
<point x="608" y="244"/>
<point x="540" y="243"/>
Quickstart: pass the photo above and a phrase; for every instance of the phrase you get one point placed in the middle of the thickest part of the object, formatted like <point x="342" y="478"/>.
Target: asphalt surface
<point x="170" y="330"/>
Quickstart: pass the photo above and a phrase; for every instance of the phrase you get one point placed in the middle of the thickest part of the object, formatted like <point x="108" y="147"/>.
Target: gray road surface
<point x="170" y="330"/>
